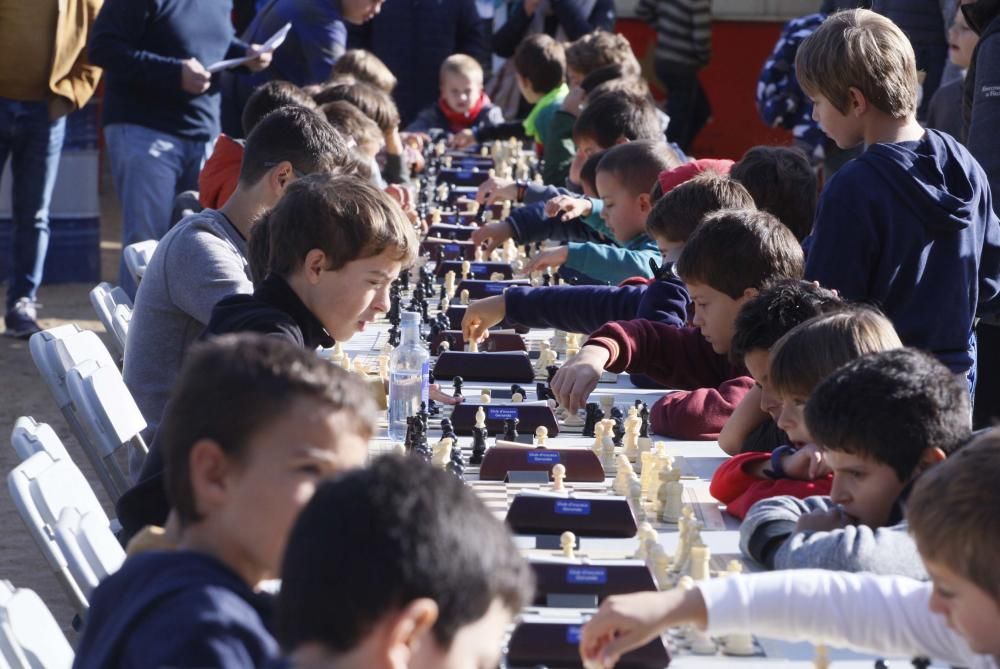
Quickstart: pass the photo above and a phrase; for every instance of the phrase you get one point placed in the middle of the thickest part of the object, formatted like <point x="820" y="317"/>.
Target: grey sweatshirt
<point x="199" y="262"/>
<point x="855" y="548"/>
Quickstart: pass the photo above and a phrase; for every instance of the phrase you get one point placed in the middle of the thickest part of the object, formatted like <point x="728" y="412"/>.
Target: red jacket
<point x="221" y="173"/>
<point x="677" y="358"/>
<point x="738" y="490"/>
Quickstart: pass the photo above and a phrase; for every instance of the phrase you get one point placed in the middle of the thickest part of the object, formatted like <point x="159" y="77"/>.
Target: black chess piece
<point x="408" y="439"/>
<point x="510" y="429"/>
<point x="618" y="431"/>
<point x="394" y="336"/>
<point x="456" y="465"/>
<point x="550" y="371"/>
<point x="479" y="435"/>
<point x="590" y="419"/>
<point x="881" y="664"/>
<point x="542" y="391"/>
<point x="921" y="662"/>
<point x="432" y="406"/>
<point x="423" y="414"/>
<point x="420" y="446"/>
<point x="644" y="415"/>
<point x="456" y="383"/>
<point x="546" y="279"/>
<point x="515" y="389"/>
<point x="448" y="431"/>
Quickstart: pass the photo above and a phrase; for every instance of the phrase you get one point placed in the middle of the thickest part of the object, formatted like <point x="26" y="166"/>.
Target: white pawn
<point x="449" y="283"/>
<point x="480" y="418"/>
<point x="463" y="297"/>
<point x="442" y="453"/>
<point x="472" y="346"/>
<point x="485" y="397"/>
<point x="559" y="477"/>
<point x="701" y="557"/>
<point x="607" y="454"/>
<point x="517" y="398"/>
<point x="567" y="541"/>
<point x="671" y="495"/>
<point x="573" y="420"/>
<point x="635" y="497"/>
<point x="478" y="255"/>
<point x="598" y="437"/>
<point x="541" y="435"/>
<point x="466" y="269"/>
<point x="645" y="533"/>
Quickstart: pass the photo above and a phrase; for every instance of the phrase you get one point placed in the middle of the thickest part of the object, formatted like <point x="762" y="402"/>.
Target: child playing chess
<point x="437" y="585"/>
<point x="802" y="358"/>
<point x="463" y="105"/>
<point x="254" y="424"/>
<point x="880" y="422"/>
<point x="954" y="618"/>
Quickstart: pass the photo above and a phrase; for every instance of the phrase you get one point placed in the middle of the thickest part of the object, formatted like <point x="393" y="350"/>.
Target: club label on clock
<point x="572" y="507"/>
<point x="587" y="575"/>
<point x="494" y="287"/>
<point x="477" y="268"/>
<point x="543" y="457"/>
<point x="501" y="413"/>
<point x="573" y="635"/>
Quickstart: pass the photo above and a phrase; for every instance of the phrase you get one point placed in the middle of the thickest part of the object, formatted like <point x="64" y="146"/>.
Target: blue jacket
<point x="566" y="14"/>
<point x="983" y="80"/>
<point x="141" y="43"/>
<point x="176" y="609"/>
<point x="910" y="228"/>
<point x="431" y="117"/>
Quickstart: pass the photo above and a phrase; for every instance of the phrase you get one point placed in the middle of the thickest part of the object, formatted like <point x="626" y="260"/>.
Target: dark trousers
<point x="687" y="103"/>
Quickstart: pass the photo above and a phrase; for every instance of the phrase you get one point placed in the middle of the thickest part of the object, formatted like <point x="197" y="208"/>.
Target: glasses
<point x="274" y="163"/>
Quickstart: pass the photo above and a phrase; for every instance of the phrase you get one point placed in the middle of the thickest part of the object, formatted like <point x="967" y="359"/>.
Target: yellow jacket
<point x="52" y="33"/>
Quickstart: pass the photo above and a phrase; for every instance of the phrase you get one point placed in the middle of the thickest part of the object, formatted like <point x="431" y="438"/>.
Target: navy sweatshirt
<point x="141" y="43"/>
<point x="981" y="90"/>
<point x="176" y="609"/>
<point x="910" y="228"/>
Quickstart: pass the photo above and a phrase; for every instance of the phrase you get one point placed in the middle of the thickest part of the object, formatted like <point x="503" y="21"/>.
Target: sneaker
<point x="20" y="320"/>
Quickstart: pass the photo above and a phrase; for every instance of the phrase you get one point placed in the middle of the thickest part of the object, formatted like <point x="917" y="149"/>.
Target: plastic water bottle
<point x="409" y="373"/>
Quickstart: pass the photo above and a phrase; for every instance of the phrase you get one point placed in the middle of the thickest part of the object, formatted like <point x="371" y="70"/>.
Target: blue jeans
<point x="149" y="169"/>
<point x="33" y="143"/>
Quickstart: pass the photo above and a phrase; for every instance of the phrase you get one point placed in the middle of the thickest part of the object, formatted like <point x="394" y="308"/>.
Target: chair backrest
<point x="137" y="257"/>
<point x="30" y="637"/>
<point x="105" y="406"/>
<point x="29" y="437"/>
<point x="108" y="302"/>
<point x="91" y="550"/>
<point x="41" y="489"/>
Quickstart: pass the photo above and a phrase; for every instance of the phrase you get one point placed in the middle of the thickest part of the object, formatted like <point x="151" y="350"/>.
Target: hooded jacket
<point x="176" y="609"/>
<point x="981" y="106"/>
<point x="910" y="228"/>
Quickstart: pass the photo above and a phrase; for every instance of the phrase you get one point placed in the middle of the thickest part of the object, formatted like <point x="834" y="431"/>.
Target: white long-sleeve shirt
<point x="862" y="612"/>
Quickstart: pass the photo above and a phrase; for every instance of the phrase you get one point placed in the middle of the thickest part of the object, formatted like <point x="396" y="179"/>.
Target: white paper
<point x="276" y="40"/>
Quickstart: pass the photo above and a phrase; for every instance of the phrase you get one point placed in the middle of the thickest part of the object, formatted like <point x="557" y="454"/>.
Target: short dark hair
<point x="424" y="533"/>
<point x="588" y="173"/>
<point x="637" y="164"/>
<point x="541" y="60"/>
<point x="736" y="249"/>
<point x="608" y="73"/>
<point x="890" y="407"/>
<point x="364" y="66"/>
<point x="296" y="134"/>
<point x="598" y="49"/>
<point x="782" y="182"/>
<point x="676" y="215"/>
<point x="375" y="103"/>
<point x="765" y="319"/>
<point x="344" y="216"/>
<point x="351" y="121"/>
<point x="233" y="387"/>
<point x="609" y="118"/>
<point x="270" y="96"/>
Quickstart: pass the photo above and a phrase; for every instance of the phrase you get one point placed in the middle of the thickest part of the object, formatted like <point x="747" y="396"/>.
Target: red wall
<point x="739" y="49"/>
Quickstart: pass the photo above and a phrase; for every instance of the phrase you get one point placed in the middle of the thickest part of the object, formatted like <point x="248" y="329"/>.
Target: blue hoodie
<point x="176" y="609"/>
<point x="910" y="228"/>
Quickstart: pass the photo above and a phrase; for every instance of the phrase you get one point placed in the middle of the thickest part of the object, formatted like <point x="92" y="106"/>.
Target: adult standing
<point x="413" y="37"/>
<point x="44" y="75"/>
<point x="161" y="111"/>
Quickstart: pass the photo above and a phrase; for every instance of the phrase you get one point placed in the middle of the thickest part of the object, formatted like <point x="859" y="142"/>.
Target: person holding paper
<point x="161" y="110"/>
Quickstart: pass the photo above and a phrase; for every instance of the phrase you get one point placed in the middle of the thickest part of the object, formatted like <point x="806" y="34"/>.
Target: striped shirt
<point x="683" y="29"/>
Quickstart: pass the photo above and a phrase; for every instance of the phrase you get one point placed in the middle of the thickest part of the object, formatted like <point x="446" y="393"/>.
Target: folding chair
<point x="114" y="309"/>
<point x="30" y="637"/>
<point x="29" y="437"/>
<point x="90" y="548"/>
<point x="137" y="257"/>
<point x="55" y="352"/>
<point x="41" y="489"/>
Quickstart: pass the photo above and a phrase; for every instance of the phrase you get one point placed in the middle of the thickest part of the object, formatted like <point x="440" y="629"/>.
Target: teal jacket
<point x="614" y="263"/>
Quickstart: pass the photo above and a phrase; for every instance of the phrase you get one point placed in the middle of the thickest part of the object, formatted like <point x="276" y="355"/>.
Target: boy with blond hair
<point x="909" y="224"/>
<point x="463" y="104"/>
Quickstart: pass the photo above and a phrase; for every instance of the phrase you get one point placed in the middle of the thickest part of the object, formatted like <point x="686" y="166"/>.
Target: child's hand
<point x="805" y="464"/>
<point x="823" y="521"/>
<point x="415" y="140"/>
<point x="496" y="189"/>
<point x="492" y="235"/>
<point x="548" y="258"/>
<point x="481" y="315"/>
<point x="568" y="206"/>
<point x="462" y="139"/>
<point x="627" y="622"/>
<point x="574" y="382"/>
<point x="438" y="395"/>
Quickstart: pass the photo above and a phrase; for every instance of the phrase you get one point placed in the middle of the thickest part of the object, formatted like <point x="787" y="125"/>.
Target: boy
<point x="954" y="618"/>
<point x="250" y="414"/>
<point x="463" y="104"/>
<point x="204" y="257"/>
<point x="782" y="182"/>
<point x="218" y="178"/>
<point x="880" y="421"/>
<point x="364" y="66"/>
<point x="352" y="122"/>
<point x="727" y="261"/>
<point x="438" y="584"/>
<point x="858" y="68"/>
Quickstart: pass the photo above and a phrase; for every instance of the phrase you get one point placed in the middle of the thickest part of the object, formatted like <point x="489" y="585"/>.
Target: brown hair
<point x="541" y="61"/>
<point x="364" y="66"/>
<point x="343" y="216"/>
<point x="461" y="64"/>
<point x="736" y="249"/>
<point x="270" y="96"/>
<point x="858" y="48"/>
<point x="782" y="182"/>
<point x="679" y="212"/>
<point x="813" y="350"/>
<point x="296" y="134"/>
<point x="352" y="122"/>
<point x="952" y="513"/>
<point x="636" y="165"/>
<point x="375" y="103"/>
<point x="599" y="49"/>
<point x="608" y="118"/>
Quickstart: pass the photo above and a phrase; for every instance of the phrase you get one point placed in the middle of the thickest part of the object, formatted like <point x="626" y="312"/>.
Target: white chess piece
<point x="645" y="533"/>
<point x="517" y="398"/>
<point x="463" y="297"/>
<point x="358" y="367"/>
<point x="472" y="346"/>
<point x="567" y="541"/>
<point x="541" y="435"/>
<point x="573" y="419"/>
<point x="442" y="452"/>
<point x="633" y="424"/>
<point x="449" y="283"/>
<point x="480" y="418"/>
<point x="620" y="484"/>
<point x="478" y="255"/>
<point x="635" y="497"/>
<point x="597" y="446"/>
<point x="559" y="477"/>
<point x="607" y="404"/>
<point x="485" y="397"/>
<point x="383" y="366"/>
<point x="466" y="269"/>
<point x="607" y="449"/>
<point x="739" y="643"/>
<point x="701" y="557"/>
<point x="672" y="491"/>
<point x="822" y="658"/>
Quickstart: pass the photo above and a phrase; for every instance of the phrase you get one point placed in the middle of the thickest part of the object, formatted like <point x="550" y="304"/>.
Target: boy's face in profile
<point x="757" y="363"/>
<point x="478" y="645"/>
<point x="624" y="212"/>
<point x="347" y="299"/>
<point x="791" y="419"/>
<point x="865" y="489"/>
<point x="715" y="314"/>
<point x="459" y="91"/>
<point x="844" y="129"/>
<point x="969" y="610"/>
<point x="670" y="251"/>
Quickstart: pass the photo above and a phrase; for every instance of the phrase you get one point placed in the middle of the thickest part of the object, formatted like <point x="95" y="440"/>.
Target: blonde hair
<point x="952" y="513"/>
<point x="860" y="49"/>
<point x="466" y="66"/>
<point x="364" y="66"/>
<point x="813" y="350"/>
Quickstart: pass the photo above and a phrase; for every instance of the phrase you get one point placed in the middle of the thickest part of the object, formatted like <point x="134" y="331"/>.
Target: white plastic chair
<point x="114" y="309"/>
<point x="30" y="637"/>
<point x="55" y="353"/>
<point x="90" y="548"/>
<point x="29" y="437"/>
<point x="137" y="257"/>
<point x="42" y="488"/>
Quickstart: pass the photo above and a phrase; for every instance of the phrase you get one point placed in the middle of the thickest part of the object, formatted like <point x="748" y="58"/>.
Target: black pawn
<point x="456" y="465"/>
<point x="590" y="419"/>
<point x="921" y="662"/>
<point x="644" y="415"/>
<point x="479" y="435"/>
<point x="456" y="383"/>
<point x="542" y="391"/>
<point x="510" y="429"/>
<point x="618" y="431"/>
<point x="447" y="430"/>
